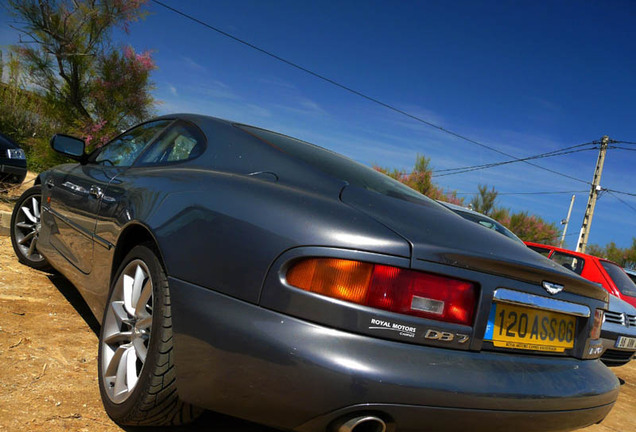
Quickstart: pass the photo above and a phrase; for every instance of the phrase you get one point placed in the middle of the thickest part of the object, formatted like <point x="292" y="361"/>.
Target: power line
<point x="561" y="152"/>
<point x="621" y="192"/>
<point x="527" y="193"/>
<point x="621" y="200"/>
<point x="622" y="142"/>
<point x="355" y="92"/>
<point x="621" y="148"/>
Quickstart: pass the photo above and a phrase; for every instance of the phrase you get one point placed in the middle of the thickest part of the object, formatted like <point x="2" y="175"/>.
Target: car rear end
<point x="335" y="339"/>
<point x="13" y="166"/>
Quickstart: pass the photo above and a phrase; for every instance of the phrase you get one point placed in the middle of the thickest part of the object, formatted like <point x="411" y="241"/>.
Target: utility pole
<point x="591" y="201"/>
<point x="566" y="221"/>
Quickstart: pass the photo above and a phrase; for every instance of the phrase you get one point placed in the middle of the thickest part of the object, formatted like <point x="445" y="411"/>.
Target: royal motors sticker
<point x="401" y="329"/>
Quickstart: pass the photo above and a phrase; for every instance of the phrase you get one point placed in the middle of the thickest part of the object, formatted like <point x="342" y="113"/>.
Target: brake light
<point x="389" y="288"/>
<point x="595" y="333"/>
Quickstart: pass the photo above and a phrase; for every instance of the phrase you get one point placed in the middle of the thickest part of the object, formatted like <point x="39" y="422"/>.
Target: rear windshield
<point x="624" y="284"/>
<point x="568" y="261"/>
<point x="338" y="166"/>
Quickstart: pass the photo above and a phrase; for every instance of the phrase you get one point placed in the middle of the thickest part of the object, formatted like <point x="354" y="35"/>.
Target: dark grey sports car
<point x="244" y="271"/>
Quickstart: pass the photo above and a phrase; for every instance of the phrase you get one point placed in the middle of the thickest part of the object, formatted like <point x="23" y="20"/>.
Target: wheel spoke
<point x="28" y="214"/>
<point x="36" y="208"/>
<point x="144" y="323"/>
<point x="113" y="365"/>
<point x="131" y="369"/>
<point x="128" y="290"/>
<point x="27" y="237"/>
<point x="140" y="349"/>
<point x="140" y="307"/>
<point x="122" y="371"/>
<point x="25" y="225"/>
<point x="32" y="246"/>
<point x="138" y="284"/>
<point x="118" y="338"/>
<point x="121" y="316"/>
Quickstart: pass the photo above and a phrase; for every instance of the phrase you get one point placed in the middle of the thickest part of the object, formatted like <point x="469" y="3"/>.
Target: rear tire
<point x="25" y="229"/>
<point x="136" y="359"/>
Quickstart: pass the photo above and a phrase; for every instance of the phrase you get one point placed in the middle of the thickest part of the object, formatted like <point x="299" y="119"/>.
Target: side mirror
<point x="68" y="146"/>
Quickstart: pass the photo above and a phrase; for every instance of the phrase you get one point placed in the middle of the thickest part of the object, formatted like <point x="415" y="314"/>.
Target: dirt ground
<point x="48" y="361"/>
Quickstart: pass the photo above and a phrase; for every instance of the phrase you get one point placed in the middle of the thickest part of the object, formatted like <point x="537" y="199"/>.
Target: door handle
<point x="49" y="183"/>
<point x="96" y="191"/>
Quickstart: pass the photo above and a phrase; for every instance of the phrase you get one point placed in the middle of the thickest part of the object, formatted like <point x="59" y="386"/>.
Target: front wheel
<point x="135" y="359"/>
<point x="25" y="229"/>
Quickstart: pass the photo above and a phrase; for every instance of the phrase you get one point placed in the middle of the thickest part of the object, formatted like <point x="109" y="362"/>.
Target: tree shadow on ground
<point x="209" y="421"/>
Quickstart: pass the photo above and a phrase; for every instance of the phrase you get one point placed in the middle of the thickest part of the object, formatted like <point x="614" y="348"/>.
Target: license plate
<point x="518" y="327"/>
<point x="626" y="342"/>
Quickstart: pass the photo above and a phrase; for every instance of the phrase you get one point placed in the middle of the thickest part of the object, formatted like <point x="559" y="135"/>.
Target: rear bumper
<point x="253" y="363"/>
<point x="13" y="173"/>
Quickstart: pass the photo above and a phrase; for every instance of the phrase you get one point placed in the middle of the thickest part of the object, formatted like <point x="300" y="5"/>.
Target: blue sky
<point x="525" y="77"/>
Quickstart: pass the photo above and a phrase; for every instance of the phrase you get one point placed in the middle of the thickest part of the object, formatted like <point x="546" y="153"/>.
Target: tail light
<point x="595" y="333"/>
<point x="390" y="288"/>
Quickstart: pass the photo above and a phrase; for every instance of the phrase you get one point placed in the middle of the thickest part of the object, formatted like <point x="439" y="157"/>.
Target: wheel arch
<point x="132" y="235"/>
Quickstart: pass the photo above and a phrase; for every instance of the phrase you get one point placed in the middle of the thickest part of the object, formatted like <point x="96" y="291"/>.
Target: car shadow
<point x="208" y="420"/>
<point x="70" y="293"/>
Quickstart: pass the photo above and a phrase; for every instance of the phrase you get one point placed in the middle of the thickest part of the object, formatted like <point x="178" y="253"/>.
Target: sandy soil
<point x="48" y="365"/>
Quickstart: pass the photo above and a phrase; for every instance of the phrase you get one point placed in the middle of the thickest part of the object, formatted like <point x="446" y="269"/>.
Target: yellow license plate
<point x="518" y="327"/>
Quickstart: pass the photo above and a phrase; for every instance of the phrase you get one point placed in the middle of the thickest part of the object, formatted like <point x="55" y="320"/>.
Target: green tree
<point x="625" y="257"/>
<point x="484" y="202"/>
<point x="90" y="85"/>
<point x="527" y="227"/>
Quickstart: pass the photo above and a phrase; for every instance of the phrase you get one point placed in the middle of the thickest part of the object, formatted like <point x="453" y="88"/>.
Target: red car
<point x="610" y="275"/>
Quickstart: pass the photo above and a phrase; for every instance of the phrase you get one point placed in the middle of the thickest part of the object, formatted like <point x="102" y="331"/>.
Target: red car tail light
<point x="595" y="333"/>
<point x="390" y="288"/>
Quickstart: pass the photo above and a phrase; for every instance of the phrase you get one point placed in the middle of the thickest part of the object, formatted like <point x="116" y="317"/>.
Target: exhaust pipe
<point x="368" y="423"/>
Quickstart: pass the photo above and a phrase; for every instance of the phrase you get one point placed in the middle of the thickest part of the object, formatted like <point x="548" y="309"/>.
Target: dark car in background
<point x="247" y="272"/>
<point x="482" y="219"/>
<point x="13" y="167"/>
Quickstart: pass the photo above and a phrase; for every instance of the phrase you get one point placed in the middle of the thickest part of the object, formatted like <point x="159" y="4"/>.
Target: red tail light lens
<point x="390" y="288"/>
<point x="595" y="333"/>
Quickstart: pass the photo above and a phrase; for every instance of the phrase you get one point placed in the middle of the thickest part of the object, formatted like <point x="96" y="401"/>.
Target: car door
<point x="131" y="194"/>
<point x="77" y="192"/>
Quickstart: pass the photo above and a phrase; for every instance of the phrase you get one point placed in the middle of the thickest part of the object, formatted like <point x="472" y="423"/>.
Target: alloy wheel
<point x="127" y="331"/>
<point x="27" y="228"/>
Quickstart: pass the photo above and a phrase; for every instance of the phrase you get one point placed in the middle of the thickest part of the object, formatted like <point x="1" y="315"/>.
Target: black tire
<point x="25" y="229"/>
<point x="150" y="398"/>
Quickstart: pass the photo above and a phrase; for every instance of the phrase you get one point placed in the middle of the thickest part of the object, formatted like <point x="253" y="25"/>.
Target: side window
<point x="123" y="150"/>
<point x="568" y="261"/>
<point x="179" y="143"/>
<point x="542" y="251"/>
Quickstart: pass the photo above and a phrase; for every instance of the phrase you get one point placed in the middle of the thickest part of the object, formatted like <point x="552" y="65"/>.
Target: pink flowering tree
<point x="420" y="179"/>
<point x="66" y="46"/>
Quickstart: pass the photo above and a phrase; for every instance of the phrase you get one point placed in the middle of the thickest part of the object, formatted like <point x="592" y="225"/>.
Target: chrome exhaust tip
<point x="368" y="423"/>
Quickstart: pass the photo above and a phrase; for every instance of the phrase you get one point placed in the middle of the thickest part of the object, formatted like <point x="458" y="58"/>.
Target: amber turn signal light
<point x="385" y="287"/>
